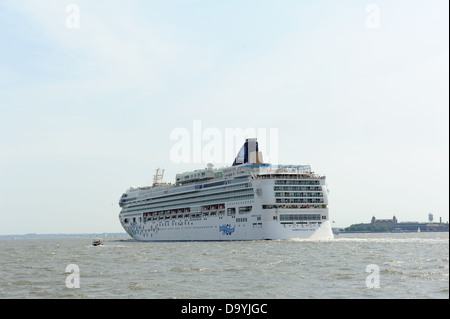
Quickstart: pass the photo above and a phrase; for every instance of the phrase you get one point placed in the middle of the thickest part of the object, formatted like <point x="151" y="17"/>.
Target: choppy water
<point x="413" y="265"/>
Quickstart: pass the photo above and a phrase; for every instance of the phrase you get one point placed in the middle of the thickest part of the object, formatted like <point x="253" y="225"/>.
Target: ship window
<point x="296" y="217"/>
<point x="245" y="209"/>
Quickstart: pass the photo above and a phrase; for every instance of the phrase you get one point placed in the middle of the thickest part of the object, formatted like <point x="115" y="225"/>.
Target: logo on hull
<point x="226" y="229"/>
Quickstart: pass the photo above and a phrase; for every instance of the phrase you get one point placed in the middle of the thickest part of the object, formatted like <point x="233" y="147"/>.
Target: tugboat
<point x="97" y="242"/>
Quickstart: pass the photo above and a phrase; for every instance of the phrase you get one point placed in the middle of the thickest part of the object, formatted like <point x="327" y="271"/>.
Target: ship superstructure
<point x="248" y="201"/>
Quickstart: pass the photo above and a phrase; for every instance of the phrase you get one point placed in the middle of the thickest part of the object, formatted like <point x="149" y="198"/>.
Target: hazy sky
<point x="90" y="94"/>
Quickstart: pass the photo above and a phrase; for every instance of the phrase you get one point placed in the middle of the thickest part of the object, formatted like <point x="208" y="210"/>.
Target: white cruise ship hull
<point x="258" y="218"/>
<point x="247" y="201"/>
<point x="208" y="231"/>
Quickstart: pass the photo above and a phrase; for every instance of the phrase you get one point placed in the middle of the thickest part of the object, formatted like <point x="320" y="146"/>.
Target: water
<point x="412" y="265"/>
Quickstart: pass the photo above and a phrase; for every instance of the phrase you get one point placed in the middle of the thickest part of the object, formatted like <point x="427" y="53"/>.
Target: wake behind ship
<point x="248" y="201"/>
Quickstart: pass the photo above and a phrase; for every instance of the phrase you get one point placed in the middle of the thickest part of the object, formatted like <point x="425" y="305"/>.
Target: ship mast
<point x="158" y="178"/>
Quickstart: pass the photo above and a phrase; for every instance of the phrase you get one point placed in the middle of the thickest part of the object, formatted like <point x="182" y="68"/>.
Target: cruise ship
<point x="249" y="200"/>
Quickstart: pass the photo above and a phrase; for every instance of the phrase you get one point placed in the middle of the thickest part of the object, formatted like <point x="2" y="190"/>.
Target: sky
<point x="92" y="94"/>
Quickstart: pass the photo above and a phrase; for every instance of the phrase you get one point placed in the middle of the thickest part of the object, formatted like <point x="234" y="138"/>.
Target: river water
<point x="408" y="265"/>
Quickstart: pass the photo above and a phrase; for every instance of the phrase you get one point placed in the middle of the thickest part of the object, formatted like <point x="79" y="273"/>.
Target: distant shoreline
<point x="85" y="235"/>
<point x="113" y="235"/>
<point x="389" y="232"/>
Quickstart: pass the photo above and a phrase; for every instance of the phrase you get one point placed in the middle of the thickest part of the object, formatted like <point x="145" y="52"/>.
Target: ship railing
<point x="289" y="176"/>
<point x="267" y="169"/>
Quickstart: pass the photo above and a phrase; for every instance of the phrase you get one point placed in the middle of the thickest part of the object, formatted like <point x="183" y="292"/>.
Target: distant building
<point x="392" y="225"/>
<point x="384" y="222"/>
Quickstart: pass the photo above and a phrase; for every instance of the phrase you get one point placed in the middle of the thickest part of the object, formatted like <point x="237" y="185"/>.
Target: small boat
<point x="97" y="242"/>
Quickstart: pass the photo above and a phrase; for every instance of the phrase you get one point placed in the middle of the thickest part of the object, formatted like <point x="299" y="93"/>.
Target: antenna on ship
<point x="158" y="177"/>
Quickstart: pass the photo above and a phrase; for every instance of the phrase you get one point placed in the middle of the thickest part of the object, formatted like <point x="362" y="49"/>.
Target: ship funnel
<point x="249" y="153"/>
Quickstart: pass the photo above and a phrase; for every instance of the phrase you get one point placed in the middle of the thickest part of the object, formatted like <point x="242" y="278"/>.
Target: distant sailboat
<point x="418" y="229"/>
